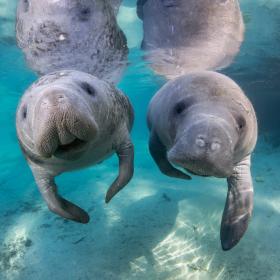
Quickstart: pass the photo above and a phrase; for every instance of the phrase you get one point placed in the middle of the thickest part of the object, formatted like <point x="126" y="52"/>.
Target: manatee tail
<point x="239" y="205"/>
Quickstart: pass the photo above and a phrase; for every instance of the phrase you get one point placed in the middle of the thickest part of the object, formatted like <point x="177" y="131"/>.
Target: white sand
<point x="156" y="228"/>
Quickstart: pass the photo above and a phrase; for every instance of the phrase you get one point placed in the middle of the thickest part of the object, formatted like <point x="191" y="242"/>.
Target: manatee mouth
<point x="75" y="146"/>
<point x="202" y="167"/>
<point x="208" y="170"/>
<point x="197" y="169"/>
<point x="197" y="173"/>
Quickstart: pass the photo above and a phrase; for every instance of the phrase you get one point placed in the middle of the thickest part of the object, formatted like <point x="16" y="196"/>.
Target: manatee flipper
<point x="239" y="205"/>
<point x="158" y="152"/>
<point x="55" y="202"/>
<point x="126" y="169"/>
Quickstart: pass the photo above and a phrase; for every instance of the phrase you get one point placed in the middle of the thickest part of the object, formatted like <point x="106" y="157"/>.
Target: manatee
<point x="191" y="35"/>
<point x="70" y="34"/>
<point x="116" y="5"/>
<point x="204" y="124"/>
<point x="69" y="120"/>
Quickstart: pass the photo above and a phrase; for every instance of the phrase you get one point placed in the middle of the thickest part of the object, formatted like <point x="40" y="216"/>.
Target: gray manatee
<point x="203" y="123"/>
<point x="70" y="120"/>
<point x="70" y="34"/>
<point x="182" y="36"/>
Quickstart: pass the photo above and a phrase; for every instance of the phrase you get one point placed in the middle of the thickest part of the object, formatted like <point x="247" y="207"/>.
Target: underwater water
<point x="157" y="227"/>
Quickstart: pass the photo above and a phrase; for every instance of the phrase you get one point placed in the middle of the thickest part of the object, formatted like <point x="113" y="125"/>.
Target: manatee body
<point x="182" y="36"/>
<point x="69" y="120"/>
<point x="66" y="34"/>
<point x="203" y="123"/>
<point x="116" y="5"/>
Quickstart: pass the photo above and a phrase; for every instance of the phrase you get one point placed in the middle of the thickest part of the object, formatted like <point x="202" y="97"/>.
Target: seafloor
<point x="157" y="227"/>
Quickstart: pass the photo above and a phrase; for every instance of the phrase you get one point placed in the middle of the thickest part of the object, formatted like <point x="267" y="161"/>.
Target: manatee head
<point x="206" y="141"/>
<point x="57" y="116"/>
<point x="212" y="126"/>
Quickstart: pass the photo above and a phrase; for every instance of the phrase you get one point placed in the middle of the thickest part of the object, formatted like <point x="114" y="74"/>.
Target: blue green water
<point x="157" y="227"/>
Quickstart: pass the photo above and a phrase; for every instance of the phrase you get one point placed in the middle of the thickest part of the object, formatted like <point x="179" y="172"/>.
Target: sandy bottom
<point x="156" y="228"/>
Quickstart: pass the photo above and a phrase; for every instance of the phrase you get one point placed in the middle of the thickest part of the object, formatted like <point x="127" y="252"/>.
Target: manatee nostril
<point x="200" y="142"/>
<point x="215" y="146"/>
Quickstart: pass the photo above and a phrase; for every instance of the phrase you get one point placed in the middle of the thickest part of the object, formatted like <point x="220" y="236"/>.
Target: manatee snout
<point x="63" y="126"/>
<point x="205" y="149"/>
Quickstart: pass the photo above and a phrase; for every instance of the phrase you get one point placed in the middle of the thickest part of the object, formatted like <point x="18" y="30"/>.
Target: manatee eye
<point x="24" y="112"/>
<point x="241" y="122"/>
<point x="84" y="14"/>
<point x="88" y="89"/>
<point x="182" y="105"/>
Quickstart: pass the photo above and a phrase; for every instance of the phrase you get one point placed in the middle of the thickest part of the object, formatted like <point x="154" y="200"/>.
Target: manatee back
<point x="191" y="35"/>
<point x="80" y="35"/>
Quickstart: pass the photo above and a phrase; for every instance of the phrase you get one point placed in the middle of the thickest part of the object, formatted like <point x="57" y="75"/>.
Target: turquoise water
<point x="157" y="227"/>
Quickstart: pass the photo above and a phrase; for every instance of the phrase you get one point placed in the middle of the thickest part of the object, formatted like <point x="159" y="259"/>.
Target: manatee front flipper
<point x="239" y="205"/>
<point x="158" y="152"/>
<point x="55" y="202"/>
<point x="126" y="168"/>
